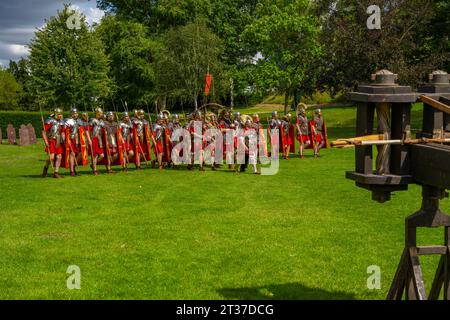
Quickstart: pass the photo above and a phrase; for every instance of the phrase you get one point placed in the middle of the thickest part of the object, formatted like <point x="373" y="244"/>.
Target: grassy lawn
<point x="305" y="233"/>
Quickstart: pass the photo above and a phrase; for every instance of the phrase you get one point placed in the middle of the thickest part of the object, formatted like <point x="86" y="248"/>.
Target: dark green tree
<point x="21" y="72"/>
<point x="286" y="34"/>
<point x="132" y="54"/>
<point x="10" y="91"/>
<point x="188" y="53"/>
<point x="68" y="64"/>
<point x="409" y="42"/>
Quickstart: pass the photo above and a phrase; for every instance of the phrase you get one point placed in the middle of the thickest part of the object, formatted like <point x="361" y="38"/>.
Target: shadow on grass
<point x="289" y="291"/>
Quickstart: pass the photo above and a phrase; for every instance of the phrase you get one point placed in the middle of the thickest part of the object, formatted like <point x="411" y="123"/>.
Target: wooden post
<point x="364" y="127"/>
<point x="409" y="278"/>
<point x="401" y="129"/>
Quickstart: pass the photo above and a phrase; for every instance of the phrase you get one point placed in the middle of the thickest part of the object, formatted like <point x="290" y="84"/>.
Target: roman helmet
<point x="160" y="117"/>
<point x="74" y="113"/>
<point x="98" y="113"/>
<point x="136" y="113"/>
<point x="274" y="114"/>
<point x="57" y="113"/>
<point x="125" y="116"/>
<point x="302" y="112"/>
<point x="246" y="120"/>
<point x="166" y="114"/>
<point x="85" y="116"/>
<point x="141" y="114"/>
<point x="110" y="116"/>
<point x="237" y="115"/>
<point x="255" y="117"/>
<point x="318" y="112"/>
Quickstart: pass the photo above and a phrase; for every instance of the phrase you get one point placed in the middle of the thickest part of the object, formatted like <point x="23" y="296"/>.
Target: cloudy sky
<point x="20" y="18"/>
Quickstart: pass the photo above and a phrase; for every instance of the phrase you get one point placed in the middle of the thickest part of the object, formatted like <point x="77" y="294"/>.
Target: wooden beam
<point x="429" y="250"/>
<point x="435" y="104"/>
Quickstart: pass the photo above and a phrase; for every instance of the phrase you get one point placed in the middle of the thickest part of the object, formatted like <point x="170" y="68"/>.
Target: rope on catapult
<point x="384" y="128"/>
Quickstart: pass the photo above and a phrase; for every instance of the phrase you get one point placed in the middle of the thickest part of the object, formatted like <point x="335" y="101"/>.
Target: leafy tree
<point x="21" y="72"/>
<point x="68" y="64"/>
<point x="408" y="42"/>
<point x="10" y="91"/>
<point x="286" y="33"/>
<point x="187" y="54"/>
<point x="132" y="53"/>
<point x="227" y="19"/>
<point x="159" y="15"/>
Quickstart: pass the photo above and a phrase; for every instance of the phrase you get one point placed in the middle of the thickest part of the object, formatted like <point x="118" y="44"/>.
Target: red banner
<point x="208" y="83"/>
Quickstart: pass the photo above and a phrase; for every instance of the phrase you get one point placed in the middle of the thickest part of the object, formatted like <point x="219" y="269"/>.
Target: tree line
<point x="156" y="54"/>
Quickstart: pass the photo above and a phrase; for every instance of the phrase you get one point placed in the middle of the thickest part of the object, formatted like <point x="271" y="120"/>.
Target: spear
<point x="124" y="152"/>
<point x="45" y="137"/>
<point x="151" y="131"/>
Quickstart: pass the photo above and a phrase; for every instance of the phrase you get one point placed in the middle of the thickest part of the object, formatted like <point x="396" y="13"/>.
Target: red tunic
<point x="53" y="148"/>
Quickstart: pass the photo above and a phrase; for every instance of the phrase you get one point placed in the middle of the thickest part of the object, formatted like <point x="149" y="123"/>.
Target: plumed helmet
<point x="98" y="112"/>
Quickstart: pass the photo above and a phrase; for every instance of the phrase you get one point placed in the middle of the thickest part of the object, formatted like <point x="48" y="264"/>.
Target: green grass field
<point x="305" y="233"/>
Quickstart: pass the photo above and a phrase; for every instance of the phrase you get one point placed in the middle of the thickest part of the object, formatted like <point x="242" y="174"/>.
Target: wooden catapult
<point x="403" y="160"/>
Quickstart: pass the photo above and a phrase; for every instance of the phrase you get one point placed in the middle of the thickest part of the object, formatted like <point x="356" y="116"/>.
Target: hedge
<point x="17" y="118"/>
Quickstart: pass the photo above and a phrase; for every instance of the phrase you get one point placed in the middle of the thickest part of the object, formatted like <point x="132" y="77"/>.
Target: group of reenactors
<point x="110" y="140"/>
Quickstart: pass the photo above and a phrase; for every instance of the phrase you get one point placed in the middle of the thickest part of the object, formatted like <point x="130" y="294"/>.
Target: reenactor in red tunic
<point x="160" y="134"/>
<point x="97" y="133"/>
<point x="196" y="140"/>
<point x="113" y="145"/>
<point x="54" y="137"/>
<point x="275" y="124"/>
<point x="76" y="142"/>
<point x="262" y="143"/>
<point x="126" y="133"/>
<point x="141" y="138"/>
<point x="303" y="132"/>
<point x="318" y="132"/>
<point x="287" y="136"/>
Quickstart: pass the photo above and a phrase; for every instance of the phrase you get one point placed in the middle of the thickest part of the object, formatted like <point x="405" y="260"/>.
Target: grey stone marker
<point x="11" y="134"/>
<point x="32" y="134"/>
<point x="24" y="135"/>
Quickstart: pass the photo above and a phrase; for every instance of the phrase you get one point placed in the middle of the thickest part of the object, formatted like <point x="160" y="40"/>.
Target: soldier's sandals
<point x="45" y="172"/>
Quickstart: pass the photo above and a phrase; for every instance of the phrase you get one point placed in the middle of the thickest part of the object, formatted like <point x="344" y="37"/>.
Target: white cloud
<point x="94" y="15"/>
<point x="18" y="49"/>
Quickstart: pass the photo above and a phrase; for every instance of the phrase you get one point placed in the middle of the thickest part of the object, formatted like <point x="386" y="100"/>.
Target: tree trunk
<point x="196" y="102"/>
<point x="286" y="101"/>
